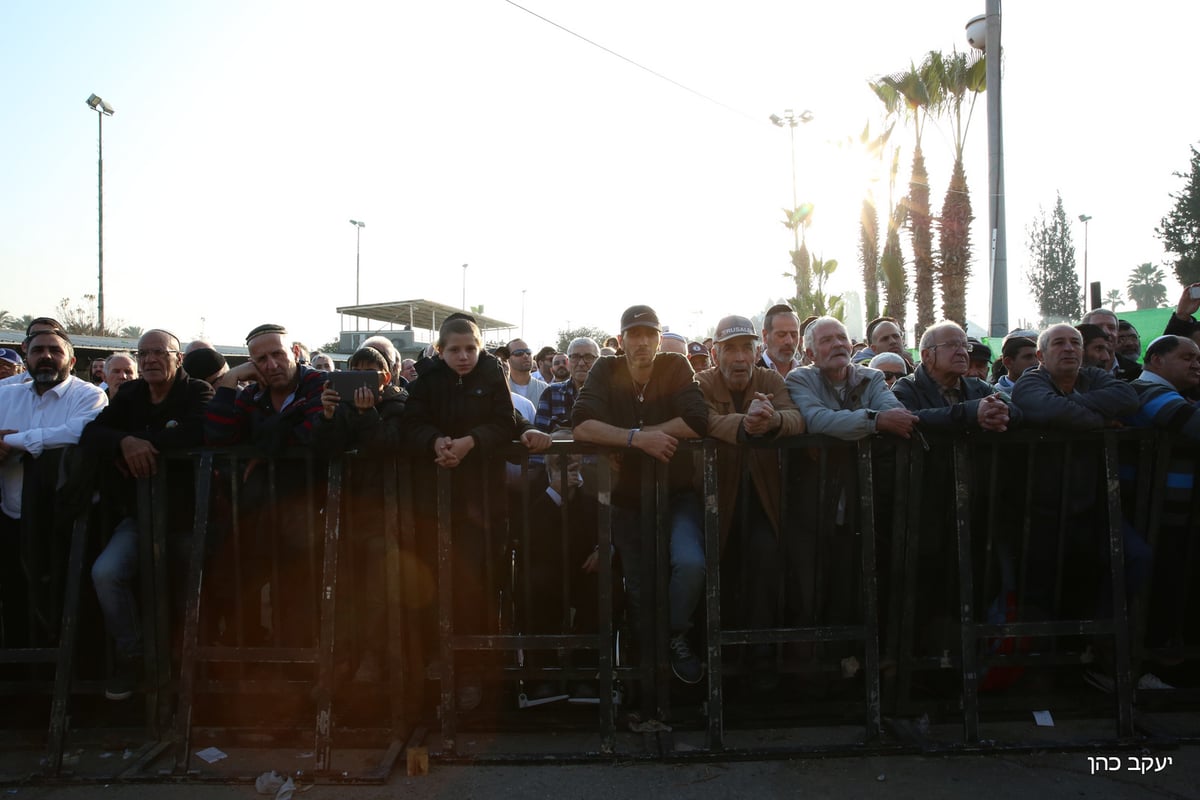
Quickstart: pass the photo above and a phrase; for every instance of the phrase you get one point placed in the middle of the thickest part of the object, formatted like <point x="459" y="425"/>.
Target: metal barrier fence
<point x="325" y="599"/>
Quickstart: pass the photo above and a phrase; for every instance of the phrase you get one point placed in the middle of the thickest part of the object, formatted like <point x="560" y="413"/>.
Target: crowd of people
<point x="642" y="392"/>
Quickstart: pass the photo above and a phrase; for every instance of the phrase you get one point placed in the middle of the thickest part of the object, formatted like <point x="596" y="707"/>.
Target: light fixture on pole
<point x="983" y="33"/>
<point x="102" y="110"/>
<point x="358" y="226"/>
<point x="791" y="119"/>
<point x="523" y="313"/>
<point x="464" y="304"/>
<point x="1085" y="219"/>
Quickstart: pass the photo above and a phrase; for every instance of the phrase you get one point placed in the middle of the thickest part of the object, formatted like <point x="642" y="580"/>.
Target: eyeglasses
<point x="157" y="352"/>
<point x="892" y="376"/>
<point x="520" y="351"/>
<point x="966" y="346"/>
<point x="586" y="358"/>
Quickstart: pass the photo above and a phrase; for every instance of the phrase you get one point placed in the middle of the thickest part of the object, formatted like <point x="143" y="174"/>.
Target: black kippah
<point x="267" y="328"/>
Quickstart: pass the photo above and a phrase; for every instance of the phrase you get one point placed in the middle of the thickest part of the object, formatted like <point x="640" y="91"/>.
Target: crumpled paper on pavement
<point x="274" y="783"/>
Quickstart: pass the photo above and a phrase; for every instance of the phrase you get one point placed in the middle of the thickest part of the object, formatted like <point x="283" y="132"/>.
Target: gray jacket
<point x="841" y="416"/>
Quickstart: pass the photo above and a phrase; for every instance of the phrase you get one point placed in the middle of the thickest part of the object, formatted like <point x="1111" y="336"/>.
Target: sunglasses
<point x="892" y="375"/>
<point x="520" y="351"/>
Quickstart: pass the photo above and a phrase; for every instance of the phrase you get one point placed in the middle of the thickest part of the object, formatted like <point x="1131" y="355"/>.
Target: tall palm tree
<point x="917" y="91"/>
<point x="1113" y="299"/>
<point x="891" y="263"/>
<point x="868" y="238"/>
<point x="1145" y="286"/>
<point x="962" y="78"/>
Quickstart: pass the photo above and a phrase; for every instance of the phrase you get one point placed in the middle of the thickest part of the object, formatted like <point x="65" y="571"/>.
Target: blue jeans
<point x="112" y="575"/>
<point x="686" y="585"/>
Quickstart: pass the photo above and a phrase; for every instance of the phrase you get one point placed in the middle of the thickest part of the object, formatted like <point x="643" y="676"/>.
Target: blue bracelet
<point x="632" y="431"/>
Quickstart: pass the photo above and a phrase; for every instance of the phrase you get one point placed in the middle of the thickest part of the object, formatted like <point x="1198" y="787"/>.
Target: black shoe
<point x="684" y="663"/>
<point x="126" y="677"/>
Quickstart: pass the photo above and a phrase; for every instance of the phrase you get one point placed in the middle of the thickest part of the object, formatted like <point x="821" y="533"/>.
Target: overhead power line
<point x="612" y="52"/>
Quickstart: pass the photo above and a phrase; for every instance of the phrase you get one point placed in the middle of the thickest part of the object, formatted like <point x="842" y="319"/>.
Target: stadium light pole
<point x="1085" y="219"/>
<point x="464" y="303"/>
<point x="791" y="119"/>
<point x="358" y="226"/>
<point x="102" y="110"/>
<point x="983" y="33"/>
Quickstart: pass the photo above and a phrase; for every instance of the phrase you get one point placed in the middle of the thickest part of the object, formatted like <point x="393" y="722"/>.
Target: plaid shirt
<point x="246" y="417"/>
<point x="554" y="407"/>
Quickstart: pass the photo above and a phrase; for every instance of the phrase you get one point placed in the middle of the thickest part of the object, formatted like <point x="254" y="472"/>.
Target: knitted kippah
<point x="264" y="329"/>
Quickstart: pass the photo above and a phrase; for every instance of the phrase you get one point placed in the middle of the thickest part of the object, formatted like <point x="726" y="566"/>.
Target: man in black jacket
<point x="648" y="401"/>
<point x="161" y="410"/>
<point x="941" y="395"/>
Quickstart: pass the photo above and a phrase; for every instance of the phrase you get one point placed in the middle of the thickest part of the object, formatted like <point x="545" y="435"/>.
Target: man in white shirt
<point x="45" y="414"/>
<point x="521" y="378"/>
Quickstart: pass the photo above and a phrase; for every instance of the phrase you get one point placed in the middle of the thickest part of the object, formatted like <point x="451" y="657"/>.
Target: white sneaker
<point x="1152" y="682"/>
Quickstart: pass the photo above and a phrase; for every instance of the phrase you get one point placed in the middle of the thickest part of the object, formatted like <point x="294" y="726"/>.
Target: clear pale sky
<point x="248" y="134"/>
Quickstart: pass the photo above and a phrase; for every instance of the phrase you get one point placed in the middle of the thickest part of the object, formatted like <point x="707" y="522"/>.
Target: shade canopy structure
<point x="419" y="315"/>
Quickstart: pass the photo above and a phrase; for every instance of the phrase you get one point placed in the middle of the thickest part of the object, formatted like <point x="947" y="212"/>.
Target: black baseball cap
<point x="640" y="317"/>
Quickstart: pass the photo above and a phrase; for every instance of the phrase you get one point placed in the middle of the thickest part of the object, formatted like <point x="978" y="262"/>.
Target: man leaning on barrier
<point x="161" y="410"/>
<point x="38" y="420"/>
<point x="277" y="410"/>
<point x="649" y="402"/>
<point x="841" y="399"/>
<point x="749" y="403"/>
<point x="940" y="393"/>
<point x="1171" y="372"/>
<point x="1062" y="393"/>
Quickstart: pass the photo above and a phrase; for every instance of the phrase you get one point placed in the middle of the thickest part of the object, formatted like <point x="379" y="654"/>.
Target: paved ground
<point x="1021" y="777"/>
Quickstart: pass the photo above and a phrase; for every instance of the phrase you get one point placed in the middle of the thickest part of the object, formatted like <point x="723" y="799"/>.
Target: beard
<point x="45" y="374"/>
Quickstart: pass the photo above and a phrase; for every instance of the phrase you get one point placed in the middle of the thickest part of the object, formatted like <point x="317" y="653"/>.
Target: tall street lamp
<point x="102" y="110"/>
<point x="464" y="304"/>
<point x="791" y="119"/>
<point x="983" y="33"/>
<point x="1084" y="218"/>
<point x="358" y="226"/>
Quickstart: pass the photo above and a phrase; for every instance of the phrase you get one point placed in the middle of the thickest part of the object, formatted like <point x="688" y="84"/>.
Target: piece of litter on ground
<point x="268" y="782"/>
<point x="287" y="790"/>
<point x="128" y="754"/>
<point x="211" y="754"/>
<point x="881" y="777"/>
<point x="1043" y="719"/>
<point x="305" y="755"/>
<point x="107" y="755"/>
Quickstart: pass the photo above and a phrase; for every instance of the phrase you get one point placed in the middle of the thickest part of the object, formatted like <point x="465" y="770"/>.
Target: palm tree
<point x="960" y="74"/>
<point x="868" y="238"/>
<point x="1145" y="286"/>
<point x="798" y="220"/>
<point x="1113" y="299"/>
<point x="891" y="263"/>
<point x="917" y="91"/>
<point x="131" y="332"/>
<point x="818" y="303"/>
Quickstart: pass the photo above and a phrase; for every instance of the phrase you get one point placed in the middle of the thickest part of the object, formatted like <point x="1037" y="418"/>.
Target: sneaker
<point x="684" y="663"/>
<point x="126" y="675"/>
<point x="1152" y="682"/>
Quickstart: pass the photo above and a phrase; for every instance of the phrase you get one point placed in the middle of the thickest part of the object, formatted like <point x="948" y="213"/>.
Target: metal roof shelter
<point x="419" y="314"/>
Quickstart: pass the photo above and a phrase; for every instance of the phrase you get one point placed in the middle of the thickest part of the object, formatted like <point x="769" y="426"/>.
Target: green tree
<point x="1180" y="228"/>
<point x="132" y="332"/>
<point x="915" y="92"/>
<point x="81" y="319"/>
<point x="962" y="78"/>
<point x="1145" y="286"/>
<point x="1051" y="268"/>
<point x="20" y="323"/>
<point x="1113" y="299"/>
<point x="567" y="334"/>
<point x="797" y="220"/>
